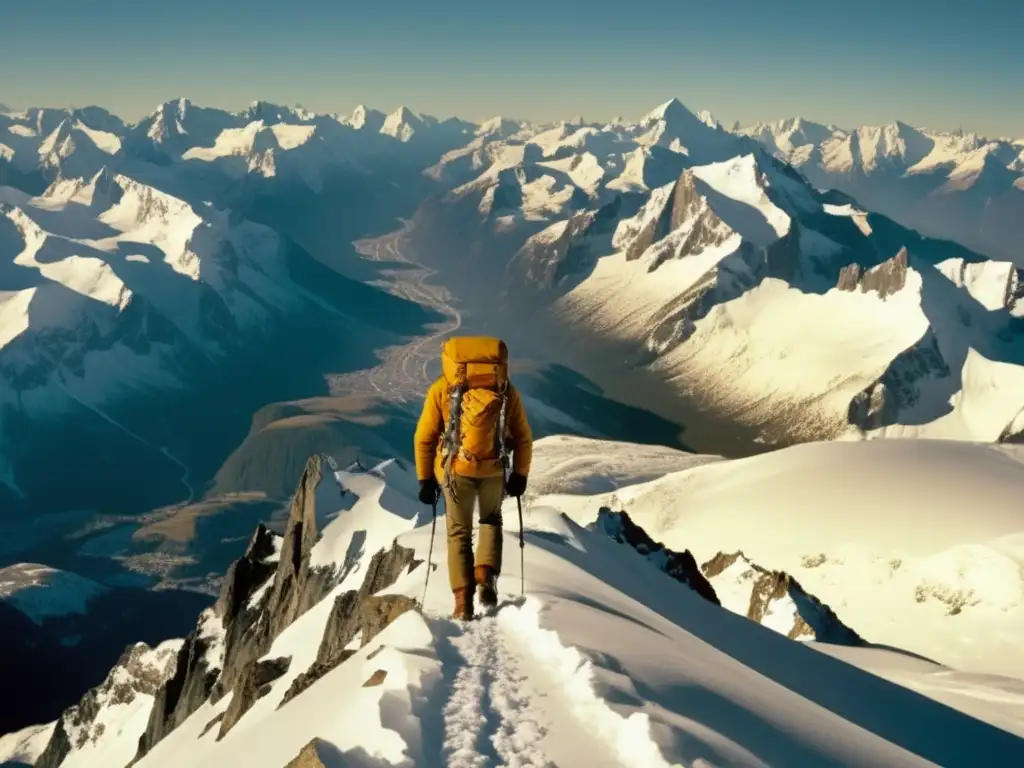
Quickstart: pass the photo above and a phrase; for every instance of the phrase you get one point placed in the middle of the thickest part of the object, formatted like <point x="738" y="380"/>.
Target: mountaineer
<point x="472" y="420"/>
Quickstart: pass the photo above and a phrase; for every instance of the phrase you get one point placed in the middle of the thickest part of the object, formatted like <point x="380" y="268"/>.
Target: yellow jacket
<point x="431" y="427"/>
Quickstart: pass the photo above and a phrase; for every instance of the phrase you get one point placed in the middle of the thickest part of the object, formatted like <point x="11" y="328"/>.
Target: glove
<point x="430" y="491"/>
<point x="516" y="484"/>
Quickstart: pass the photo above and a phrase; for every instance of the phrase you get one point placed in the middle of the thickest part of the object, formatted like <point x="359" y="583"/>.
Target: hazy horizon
<point x="889" y="61"/>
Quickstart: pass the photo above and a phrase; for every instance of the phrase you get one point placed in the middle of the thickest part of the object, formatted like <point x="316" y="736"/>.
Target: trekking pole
<point x="522" y="553"/>
<point x="430" y="554"/>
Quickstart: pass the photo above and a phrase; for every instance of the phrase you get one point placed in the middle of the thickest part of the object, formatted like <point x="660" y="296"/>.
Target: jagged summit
<point x="99" y="192"/>
<point x="708" y="119"/>
<point x="271" y="114"/>
<point x="402" y="124"/>
<point x="362" y="118"/>
<point x="498" y="126"/>
<point x="672" y="109"/>
<point x="776" y="600"/>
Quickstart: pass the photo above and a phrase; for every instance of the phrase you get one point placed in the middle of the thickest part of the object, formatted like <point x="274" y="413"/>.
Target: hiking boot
<point x="463" y="604"/>
<point x="484" y="577"/>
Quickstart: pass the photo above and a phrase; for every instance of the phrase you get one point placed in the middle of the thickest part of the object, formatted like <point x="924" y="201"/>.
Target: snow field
<point x="607" y="661"/>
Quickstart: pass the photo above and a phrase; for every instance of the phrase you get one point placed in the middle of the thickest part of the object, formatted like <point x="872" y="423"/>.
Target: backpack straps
<point x="451" y="441"/>
<point x="499" y="436"/>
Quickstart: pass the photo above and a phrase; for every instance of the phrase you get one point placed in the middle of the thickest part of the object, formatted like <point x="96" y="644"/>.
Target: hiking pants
<point x="459" y="516"/>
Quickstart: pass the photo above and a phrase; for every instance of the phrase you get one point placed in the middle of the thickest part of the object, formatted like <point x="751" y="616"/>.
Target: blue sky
<point x="936" y="63"/>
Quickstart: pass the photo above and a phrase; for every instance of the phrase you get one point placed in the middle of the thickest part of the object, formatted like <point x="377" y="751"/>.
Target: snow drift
<point x="914" y="544"/>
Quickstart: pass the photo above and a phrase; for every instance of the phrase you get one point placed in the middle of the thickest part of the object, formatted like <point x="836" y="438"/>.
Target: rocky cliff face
<point x="359" y="614"/>
<point x="882" y="402"/>
<point x="140" y="672"/>
<point x="681" y="566"/>
<point x="547" y="260"/>
<point x="775" y="599"/>
<point x="264" y="591"/>
<point x="771" y="598"/>
<point x="219" y="655"/>
<point x="885" y="279"/>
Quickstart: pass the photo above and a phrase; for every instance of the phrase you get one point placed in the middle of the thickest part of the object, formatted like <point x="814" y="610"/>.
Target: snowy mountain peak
<point x="56" y="139"/>
<point x="176" y="126"/>
<point x="96" y="730"/>
<point x="363" y="118"/>
<point x="783" y="136"/>
<point x="896" y="142"/>
<point x="272" y="114"/>
<point x="99" y="192"/>
<point x="402" y="124"/>
<point x="169" y="117"/>
<point x="672" y="109"/>
<point x="708" y="119"/>
<point x="498" y="127"/>
<point x="75" y="150"/>
<point x="674" y="127"/>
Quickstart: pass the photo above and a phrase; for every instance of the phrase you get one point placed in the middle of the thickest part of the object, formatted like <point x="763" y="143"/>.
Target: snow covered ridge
<point x="98" y="730"/>
<point x="109" y="248"/>
<point x="22" y="748"/>
<point x="264" y="139"/>
<point x="771" y="598"/>
<point x="776" y="600"/>
<point x="949" y="184"/>
<point x="913" y="544"/>
<point x="113" y="290"/>
<point x="608" y="660"/>
<point x="55" y="142"/>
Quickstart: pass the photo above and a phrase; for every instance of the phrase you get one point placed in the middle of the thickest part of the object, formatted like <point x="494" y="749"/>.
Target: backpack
<point x="475" y="368"/>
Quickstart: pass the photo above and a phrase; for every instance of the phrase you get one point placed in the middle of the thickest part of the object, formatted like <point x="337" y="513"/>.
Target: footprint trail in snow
<point x="491" y="717"/>
<point x="516" y="700"/>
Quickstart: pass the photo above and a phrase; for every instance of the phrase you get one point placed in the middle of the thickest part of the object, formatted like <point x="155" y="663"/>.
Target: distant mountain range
<point x="959" y="186"/>
<point x="176" y="245"/>
<point x="719" y="267"/>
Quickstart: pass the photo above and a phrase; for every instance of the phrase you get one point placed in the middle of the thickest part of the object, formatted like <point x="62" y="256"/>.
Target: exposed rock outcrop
<point x="255" y="686"/>
<point x="188" y="687"/>
<point x="377" y="678"/>
<point x="211" y="664"/>
<point x="309" y="756"/>
<point x="776" y="600"/>
<point x="881" y="402"/>
<point x="657" y="217"/>
<point x="681" y="566"/>
<point x="699" y="226"/>
<point x="546" y="260"/>
<point x="268" y="588"/>
<point x="887" y="278"/>
<point x="359" y="613"/>
<point x="141" y="671"/>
